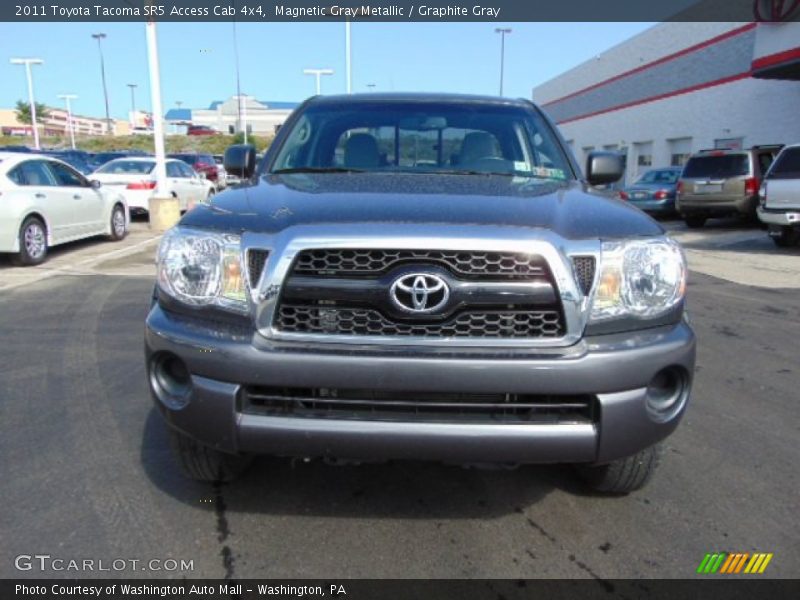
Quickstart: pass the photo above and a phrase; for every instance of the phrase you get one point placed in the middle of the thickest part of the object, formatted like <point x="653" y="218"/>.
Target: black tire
<point x="788" y="237"/>
<point x="118" y="228"/>
<point x="210" y="196"/>
<point x="34" y="232"/>
<point x="624" y="475"/>
<point x="695" y="222"/>
<point x="203" y="463"/>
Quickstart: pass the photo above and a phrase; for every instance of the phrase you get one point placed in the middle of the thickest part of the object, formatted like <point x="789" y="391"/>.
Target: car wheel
<point x="787" y="238"/>
<point x="210" y="195"/>
<point x="32" y="243"/>
<point x="118" y="230"/>
<point x="695" y="222"/>
<point x="203" y="463"/>
<point x="624" y="475"/>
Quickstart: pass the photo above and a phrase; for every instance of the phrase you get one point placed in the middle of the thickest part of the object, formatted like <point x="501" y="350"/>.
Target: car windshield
<point x="423" y="137"/>
<point x="725" y="165"/>
<point x="127" y="167"/>
<point x="665" y="177"/>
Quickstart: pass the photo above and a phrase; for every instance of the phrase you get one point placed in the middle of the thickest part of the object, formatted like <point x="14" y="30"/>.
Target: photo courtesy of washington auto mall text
<point x="399" y="299"/>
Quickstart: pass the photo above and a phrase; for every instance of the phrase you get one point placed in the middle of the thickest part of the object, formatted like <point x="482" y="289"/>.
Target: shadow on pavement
<point x="405" y="489"/>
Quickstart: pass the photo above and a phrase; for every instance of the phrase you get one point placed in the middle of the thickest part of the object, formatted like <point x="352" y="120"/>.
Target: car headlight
<point x="642" y="279"/>
<point x="202" y="268"/>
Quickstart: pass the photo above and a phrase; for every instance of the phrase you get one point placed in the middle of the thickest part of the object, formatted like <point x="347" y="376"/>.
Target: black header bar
<point x="263" y="11"/>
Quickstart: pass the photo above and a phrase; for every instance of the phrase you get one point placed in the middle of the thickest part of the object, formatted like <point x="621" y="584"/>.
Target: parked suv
<point x="720" y="183"/>
<point x="420" y="277"/>
<point x="780" y="198"/>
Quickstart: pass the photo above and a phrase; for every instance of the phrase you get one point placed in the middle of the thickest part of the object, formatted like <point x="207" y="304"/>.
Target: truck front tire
<point x="624" y="475"/>
<point x="203" y="463"/>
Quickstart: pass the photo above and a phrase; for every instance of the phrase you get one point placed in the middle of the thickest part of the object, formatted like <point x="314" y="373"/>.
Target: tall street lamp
<point x="28" y="62"/>
<point x="133" y="87"/>
<point x="502" y="31"/>
<point x="318" y="73"/>
<point x="99" y="37"/>
<point x="70" y="125"/>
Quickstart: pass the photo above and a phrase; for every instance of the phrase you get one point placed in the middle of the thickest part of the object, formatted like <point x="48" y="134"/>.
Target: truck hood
<point x="276" y="202"/>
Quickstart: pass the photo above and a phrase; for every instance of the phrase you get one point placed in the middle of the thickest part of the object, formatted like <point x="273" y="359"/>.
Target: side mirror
<point x="240" y="160"/>
<point x="95" y="185"/>
<point x="201" y="174"/>
<point x="604" y="167"/>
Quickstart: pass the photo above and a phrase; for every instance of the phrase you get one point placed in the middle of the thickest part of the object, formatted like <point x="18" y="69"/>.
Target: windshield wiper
<point x="317" y="170"/>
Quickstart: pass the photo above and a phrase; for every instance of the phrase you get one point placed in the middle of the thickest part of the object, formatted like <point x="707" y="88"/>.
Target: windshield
<point x="665" y="177"/>
<point x="415" y="137"/>
<point x="727" y="165"/>
<point x="127" y="167"/>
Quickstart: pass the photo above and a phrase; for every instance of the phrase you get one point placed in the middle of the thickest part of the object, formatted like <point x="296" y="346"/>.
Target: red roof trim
<point x="775" y="59"/>
<point x="687" y="90"/>
<point x="662" y="60"/>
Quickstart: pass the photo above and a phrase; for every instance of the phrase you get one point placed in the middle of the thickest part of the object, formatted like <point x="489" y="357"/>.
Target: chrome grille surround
<point x="286" y="245"/>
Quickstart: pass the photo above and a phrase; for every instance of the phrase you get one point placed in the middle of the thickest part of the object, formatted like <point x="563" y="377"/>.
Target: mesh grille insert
<point x="366" y="262"/>
<point x="256" y="260"/>
<point x="363" y="321"/>
<point x="584" y="269"/>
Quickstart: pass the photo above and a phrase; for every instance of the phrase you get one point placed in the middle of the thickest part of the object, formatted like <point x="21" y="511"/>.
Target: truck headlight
<point x="202" y="268"/>
<point x="639" y="278"/>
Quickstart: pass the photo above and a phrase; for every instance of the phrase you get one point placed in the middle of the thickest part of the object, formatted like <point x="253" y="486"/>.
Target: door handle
<point x="40" y="195"/>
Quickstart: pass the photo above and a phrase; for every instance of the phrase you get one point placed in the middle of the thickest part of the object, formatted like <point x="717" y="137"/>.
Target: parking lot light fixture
<point x="318" y="73"/>
<point x="502" y="31"/>
<point x="70" y="124"/>
<point x="28" y="62"/>
<point x="100" y="37"/>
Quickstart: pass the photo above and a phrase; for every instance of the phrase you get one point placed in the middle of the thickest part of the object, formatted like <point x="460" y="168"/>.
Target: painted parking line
<point x="82" y="267"/>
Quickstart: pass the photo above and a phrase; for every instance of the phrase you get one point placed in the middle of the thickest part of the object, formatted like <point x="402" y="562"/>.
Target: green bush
<point x="211" y="144"/>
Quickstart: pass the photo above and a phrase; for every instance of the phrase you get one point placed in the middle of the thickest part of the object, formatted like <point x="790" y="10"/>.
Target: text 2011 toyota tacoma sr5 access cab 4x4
<point x="420" y="277"/>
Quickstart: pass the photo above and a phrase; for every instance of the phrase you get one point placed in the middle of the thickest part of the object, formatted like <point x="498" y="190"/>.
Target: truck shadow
<point x="407" y="489"/>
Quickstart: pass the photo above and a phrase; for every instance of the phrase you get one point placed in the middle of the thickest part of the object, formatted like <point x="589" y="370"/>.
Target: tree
<point x="24" y="112"/>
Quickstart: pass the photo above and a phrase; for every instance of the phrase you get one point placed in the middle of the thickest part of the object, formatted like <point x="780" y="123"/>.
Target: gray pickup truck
<point x="420" y="277"/>
<point x="779" y="198"/>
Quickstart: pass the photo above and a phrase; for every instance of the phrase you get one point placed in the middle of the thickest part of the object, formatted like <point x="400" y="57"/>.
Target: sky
<point x="197" y="59"/>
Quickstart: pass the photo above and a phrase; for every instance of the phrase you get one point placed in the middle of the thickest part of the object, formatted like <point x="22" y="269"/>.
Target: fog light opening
<point x="667" y="393"/>
<point x="171" y="381"/>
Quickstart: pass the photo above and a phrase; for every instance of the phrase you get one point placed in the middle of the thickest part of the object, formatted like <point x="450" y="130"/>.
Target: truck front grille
<point x="584" y="270"/>
<point x="388" y="405"/>
<point x="373" y="262"/>
<point x="480" y="324"/>
<point x="349" y="292"/>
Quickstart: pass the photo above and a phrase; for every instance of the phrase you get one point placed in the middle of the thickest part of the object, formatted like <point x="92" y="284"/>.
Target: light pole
<point x="99" y="37"/>
<point x="370" y="86"/>
<point x="28" y="62"/>
<point x="67" y="98"/>
<point x="502" y="31"/>
<point x="133" y="87"/>
<point x="318" y="73"/>
<point x="158" y="112"/>
<point x="348" y="56"/>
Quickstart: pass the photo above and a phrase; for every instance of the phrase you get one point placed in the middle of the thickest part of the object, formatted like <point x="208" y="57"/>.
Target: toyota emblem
<point x="419" y="293"/>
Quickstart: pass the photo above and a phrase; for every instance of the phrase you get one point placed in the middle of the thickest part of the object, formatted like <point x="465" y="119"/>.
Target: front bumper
<point x="783" y="218"/>
<point x="615" y="368"/>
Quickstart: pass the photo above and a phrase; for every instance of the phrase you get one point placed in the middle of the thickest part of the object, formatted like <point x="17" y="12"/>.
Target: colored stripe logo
<point x="734" y="563"/>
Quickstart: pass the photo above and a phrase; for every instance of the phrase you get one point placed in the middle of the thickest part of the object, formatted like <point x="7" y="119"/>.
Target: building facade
<point x="681" y="87"/>
<point x="233" y="115"/>
<point x="56" y="124"/>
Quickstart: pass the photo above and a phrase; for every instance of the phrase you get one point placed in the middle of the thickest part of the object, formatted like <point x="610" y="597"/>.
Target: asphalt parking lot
<point x="87" y="472"/>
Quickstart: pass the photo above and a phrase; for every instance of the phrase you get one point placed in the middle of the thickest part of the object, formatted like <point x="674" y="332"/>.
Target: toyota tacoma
<point x="409" y="276"/>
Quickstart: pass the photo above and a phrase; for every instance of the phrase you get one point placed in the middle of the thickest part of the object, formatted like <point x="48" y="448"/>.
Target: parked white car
<point x="779" y="198"/>
<point x="134" y="177"/>
<point x="45" y="202"/>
